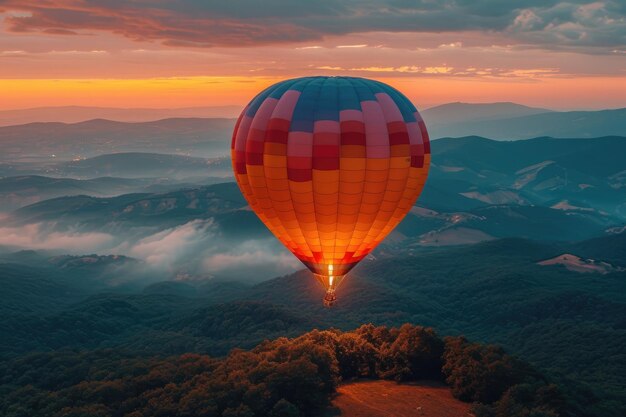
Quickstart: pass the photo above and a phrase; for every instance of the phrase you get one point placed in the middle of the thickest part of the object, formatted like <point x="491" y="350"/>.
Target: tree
<point x="284" y="408"/>
<point x="414" y="354"/>
<point x="481" y="373"/>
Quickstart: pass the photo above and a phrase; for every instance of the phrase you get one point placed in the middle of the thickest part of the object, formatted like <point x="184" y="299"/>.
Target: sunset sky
<point x="183" y="53"/>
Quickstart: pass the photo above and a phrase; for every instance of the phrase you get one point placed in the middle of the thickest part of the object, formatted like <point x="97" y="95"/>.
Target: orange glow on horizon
<point x="175" y="92"/>
<point x="127" y="93"/>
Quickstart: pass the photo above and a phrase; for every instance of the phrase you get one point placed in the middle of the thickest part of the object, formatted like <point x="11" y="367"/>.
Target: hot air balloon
<point x="331" y="165"/>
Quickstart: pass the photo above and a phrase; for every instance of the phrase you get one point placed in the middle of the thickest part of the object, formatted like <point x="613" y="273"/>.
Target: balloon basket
<point x="330" y="298"/>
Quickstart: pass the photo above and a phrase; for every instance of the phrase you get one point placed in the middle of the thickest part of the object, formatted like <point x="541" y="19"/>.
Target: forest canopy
<point x="283" y="377"/>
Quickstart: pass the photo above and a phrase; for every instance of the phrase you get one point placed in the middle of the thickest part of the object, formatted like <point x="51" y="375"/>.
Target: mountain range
<point x="478" y="189"/>
<point x="223" y="204"/>
<point x="510" y="121"/>
<point x="107" y="176"/>
<point x="77" y="114"/>
<point x="210" y="137"/>
<point x="567" y="174"/>
<point x="53" y="141"/>
<point x="458" y="112"/>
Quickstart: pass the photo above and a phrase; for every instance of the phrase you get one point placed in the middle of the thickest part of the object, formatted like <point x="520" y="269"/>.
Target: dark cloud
<point x="581" y="25"/>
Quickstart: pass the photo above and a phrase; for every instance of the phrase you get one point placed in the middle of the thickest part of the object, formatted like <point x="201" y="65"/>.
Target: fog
<point x="195" y="250"/>
<point x="42" y="236"/>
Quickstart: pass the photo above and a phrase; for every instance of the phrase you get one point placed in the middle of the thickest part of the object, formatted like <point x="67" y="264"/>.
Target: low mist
<point x="195" y="250"/>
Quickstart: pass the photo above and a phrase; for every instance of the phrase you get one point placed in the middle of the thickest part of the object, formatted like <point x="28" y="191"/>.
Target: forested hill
<point x="283" y="377"/>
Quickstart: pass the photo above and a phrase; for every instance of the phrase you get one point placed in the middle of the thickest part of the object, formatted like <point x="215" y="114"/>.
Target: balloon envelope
<point x="331" y="165"/>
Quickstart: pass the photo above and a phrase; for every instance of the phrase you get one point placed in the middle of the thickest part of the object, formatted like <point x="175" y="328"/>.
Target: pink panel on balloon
<point x="376" y="135"/>
<point x="242" y="133"/>
<point x="390" y="109"/>
<point x="300" y="144"/>
<point x="264" y="113"/>
<point x="239" y="119"/>
<point x="255" y="134"/>
<point x="415" y="135"/>
<point x="330" y="126"/>
<point x="378" y="152"/>
<point x="345" y="115"/>
<point x="286" y="105"/>
<point x="424" y="132"/>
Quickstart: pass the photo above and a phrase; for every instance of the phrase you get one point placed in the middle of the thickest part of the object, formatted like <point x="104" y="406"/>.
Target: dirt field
<point x="388" y="399"/>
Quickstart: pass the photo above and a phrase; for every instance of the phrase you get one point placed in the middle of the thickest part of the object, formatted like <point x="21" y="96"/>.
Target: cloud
<point x="569" y="24"/>
<point x="526" y="20"/>
<point x="528" y="73"/>
<point x="352" y="46"/>
<point x="40" y="236"/>
<point x="252" y="255"/>
<point x="165" y="248"/>
<point x="195" y="249"/>
<point x="407" y="69"/>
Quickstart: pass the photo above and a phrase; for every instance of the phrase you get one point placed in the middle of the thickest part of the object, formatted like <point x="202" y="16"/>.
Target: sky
<point x="185" y="53"/>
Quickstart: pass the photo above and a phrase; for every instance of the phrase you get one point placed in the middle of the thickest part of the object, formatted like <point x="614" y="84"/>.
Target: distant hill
<point x="75" y="114"/>
<point x="597" y="156"/>
<point x="567" y="174"/>
<point x="445" y="113"/>
<point x="20" y="191"/>
<point x="572" y="175"/>
<point x="28" y="289"/>
<point x="37" y="141"/>
<point x="210" y="137"/>
<point x="80" y="275"/>
<point x="225" y="205"/>
<point x="159" y="167"/>
<point x="449" y="113"/>
<point x="610" y="248"/>
<point x="505" y="220"/>
<point x="162" y="209"/>
<point x="500" y="126"/>
<point x="142" y="165"/>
